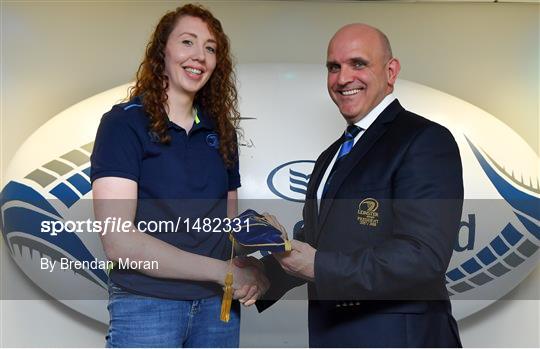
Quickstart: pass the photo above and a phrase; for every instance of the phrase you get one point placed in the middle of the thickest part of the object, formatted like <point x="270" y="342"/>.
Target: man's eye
<point x="359" y="65"/>
<point x="333" y="68"/>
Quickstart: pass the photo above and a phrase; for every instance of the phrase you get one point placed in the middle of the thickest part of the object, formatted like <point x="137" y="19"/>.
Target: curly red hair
<point x="218" y="96"/>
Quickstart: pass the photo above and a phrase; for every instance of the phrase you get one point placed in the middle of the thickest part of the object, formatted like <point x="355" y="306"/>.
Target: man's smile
<point x="351" y="92"/>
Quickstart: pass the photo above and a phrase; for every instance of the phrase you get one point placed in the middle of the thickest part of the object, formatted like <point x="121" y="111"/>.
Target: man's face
<point x="360" y="72"/>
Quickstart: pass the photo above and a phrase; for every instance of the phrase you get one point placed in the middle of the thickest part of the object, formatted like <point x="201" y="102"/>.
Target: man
<point x="382" y="213"/>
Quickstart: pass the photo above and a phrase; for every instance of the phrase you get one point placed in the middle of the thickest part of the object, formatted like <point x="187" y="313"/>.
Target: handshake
<point x="295" y="257"/>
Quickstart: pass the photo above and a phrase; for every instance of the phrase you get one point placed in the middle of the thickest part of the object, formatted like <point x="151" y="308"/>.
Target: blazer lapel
<point x="360" y="149"/>
<point x="312" y="212"/>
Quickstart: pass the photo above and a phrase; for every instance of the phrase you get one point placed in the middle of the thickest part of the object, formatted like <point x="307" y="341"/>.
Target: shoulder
<point x="129" y="114"/>
<point x="125" y="122"/>
<point x="415" y="127"/>
<point x="411" y="122"/>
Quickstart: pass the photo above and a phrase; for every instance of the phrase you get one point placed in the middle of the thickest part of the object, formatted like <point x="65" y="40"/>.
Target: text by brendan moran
<point x="123" y="263"/>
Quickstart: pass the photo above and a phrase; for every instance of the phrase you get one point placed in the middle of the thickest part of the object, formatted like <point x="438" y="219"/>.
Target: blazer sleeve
<point x="427" y="202"/>
<point x="280" y="283"/>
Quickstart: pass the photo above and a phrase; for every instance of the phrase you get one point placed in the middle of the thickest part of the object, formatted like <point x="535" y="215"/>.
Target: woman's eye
<point x="211" y="49"/>
<point x="187" y="42"/>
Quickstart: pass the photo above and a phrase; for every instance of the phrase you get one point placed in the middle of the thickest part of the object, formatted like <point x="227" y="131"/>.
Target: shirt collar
<point x="202" y="120"/>
<point x="370" y="118"/>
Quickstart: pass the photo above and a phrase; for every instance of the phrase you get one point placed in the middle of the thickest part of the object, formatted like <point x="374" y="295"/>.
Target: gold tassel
<point x="227" y="298"/>
<point x="226" y="301"/>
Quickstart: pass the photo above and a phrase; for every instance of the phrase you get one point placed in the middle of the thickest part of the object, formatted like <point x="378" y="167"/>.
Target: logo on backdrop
<point x="24" y="208"/>
<point x="289" y="181"/>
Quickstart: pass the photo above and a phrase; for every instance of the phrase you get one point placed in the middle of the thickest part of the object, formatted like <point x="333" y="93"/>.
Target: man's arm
<point x="280" y="283"/>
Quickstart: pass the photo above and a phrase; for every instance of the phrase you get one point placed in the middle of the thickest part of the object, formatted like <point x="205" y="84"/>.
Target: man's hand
<point x="273" y="221"/>
<point x="299" y="262"/>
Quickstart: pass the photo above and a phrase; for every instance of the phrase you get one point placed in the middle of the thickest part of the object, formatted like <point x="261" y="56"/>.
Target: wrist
<point x="219" y="271"/>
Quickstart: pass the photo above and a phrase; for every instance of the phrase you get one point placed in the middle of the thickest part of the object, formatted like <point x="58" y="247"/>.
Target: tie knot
<point x="352" y="131"/>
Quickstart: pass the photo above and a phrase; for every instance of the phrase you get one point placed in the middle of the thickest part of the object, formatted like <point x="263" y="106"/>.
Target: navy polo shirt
<point x="186" y="178"/>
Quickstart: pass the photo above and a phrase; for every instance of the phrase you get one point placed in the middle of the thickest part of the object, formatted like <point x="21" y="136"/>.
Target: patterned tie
<point x="348" y="142"/>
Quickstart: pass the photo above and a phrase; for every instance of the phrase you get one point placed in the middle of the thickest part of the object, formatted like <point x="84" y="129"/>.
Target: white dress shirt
<point x="364" y="123"/>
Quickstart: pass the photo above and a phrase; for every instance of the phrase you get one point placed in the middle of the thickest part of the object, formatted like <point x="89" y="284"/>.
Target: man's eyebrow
<point x="358" y="60"/>
<point x="331" y="63"/>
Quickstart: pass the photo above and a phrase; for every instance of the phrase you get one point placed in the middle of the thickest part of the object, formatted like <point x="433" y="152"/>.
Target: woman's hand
<point x="250" y="282"/>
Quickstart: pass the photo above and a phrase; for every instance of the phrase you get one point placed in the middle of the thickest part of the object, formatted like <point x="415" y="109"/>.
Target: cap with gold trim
<point x="257" y="233"/>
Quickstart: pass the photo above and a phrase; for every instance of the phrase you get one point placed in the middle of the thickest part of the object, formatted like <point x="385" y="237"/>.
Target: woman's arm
<point x="232" y="203"/>
<point x="117" y="198"/>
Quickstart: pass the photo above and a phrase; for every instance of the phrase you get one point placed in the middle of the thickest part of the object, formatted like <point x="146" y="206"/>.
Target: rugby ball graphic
<point x="288" y="119"/>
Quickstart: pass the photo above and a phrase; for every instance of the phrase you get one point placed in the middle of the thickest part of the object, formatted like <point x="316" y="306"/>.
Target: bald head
<point x="373" y="36"/>
<point x="361" y="70"/>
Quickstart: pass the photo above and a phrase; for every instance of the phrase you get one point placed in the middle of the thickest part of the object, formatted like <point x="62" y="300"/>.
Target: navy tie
<point x="348" y="142"/>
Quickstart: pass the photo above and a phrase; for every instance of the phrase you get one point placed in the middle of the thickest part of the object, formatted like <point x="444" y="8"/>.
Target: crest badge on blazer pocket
<point x="368" y="212"/>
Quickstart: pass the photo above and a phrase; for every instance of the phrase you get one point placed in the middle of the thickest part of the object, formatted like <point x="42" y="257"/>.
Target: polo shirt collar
<point x="202" y="120"/>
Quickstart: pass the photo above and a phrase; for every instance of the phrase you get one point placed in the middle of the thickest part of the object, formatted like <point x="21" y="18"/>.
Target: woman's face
<point x="190" y="55"/>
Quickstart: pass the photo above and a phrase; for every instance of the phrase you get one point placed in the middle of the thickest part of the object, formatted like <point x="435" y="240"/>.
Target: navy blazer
<point x="384" y="236"/>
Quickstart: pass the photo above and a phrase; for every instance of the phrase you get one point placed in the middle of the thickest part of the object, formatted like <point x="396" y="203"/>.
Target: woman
<point x="170" y="154"/>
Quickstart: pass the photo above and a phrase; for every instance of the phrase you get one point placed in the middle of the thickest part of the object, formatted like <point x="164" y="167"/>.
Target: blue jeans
<point x="140" y="321"/>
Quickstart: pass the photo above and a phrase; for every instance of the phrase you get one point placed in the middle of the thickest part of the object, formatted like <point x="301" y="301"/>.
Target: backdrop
<point x="56" y="54"/>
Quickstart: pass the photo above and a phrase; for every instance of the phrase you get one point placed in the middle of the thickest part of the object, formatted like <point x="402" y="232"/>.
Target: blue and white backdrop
<point x="499" y="238"/>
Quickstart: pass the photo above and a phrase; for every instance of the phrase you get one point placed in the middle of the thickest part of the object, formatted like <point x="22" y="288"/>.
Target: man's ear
<point x="392" y="71"/>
